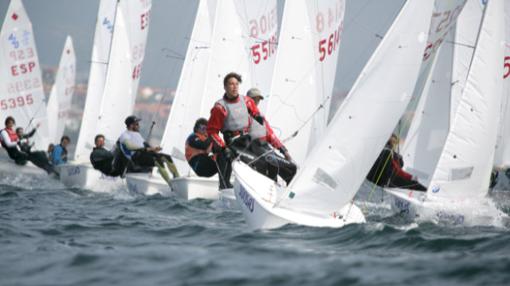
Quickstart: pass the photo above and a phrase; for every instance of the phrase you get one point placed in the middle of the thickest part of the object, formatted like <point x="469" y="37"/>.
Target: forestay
<point x="464" y="168"/>
<point x="21" y="90"/>
<point x="337" y="166"/>
<point x="241" y="43"/>
<point x="97" y="78"/>
<point x="124" y="69"/>
<point x="59" y="102"/>
<point x="190" y="88"/>
<point x="305" y="71"/>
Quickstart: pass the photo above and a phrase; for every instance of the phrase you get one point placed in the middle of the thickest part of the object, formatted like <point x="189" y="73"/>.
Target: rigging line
<point x="461" y="44"/>
<point x="295" y="133"/>
<point x="374" y="185"/>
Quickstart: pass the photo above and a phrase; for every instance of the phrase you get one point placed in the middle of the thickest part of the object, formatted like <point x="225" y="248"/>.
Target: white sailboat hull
<point x="258" y="196"/>
<point x="147" y="184"/>
<point x="84" y="176"/>
<point x="190" y="188"/>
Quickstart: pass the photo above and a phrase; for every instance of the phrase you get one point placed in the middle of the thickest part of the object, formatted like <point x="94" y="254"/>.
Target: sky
<point x="171" y="24"/>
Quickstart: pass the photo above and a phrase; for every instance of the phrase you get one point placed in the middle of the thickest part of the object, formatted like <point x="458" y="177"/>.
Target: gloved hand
<point x="286" y="154"/>
<point x="228" y="153"/>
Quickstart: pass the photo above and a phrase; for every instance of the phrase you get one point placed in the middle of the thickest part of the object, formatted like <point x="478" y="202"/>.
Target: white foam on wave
<point x="479" y="212"/>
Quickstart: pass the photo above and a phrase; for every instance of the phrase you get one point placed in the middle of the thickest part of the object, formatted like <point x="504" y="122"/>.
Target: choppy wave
<point x="50" y="235"/>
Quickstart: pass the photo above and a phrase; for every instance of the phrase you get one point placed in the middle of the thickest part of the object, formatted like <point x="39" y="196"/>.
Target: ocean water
<point x="50" y="235"/>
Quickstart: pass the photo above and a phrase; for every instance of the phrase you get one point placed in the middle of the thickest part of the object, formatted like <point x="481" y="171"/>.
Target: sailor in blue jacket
<point x="59" y="154"/>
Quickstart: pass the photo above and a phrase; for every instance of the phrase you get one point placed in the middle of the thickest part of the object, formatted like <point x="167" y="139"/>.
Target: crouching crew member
<point x="198" y="150"/>
<point x="387" y="170"/>
<point x="140" y="153"/>
<point x="103" y="159"/>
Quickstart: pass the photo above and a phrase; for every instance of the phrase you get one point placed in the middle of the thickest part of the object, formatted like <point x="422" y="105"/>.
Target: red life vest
<point x="190" y="152"/>
<point x="12" y="136"/>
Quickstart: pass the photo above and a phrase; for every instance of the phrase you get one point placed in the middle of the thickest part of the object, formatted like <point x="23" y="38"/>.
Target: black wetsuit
<point x="202" y="164"/>
<point x="386" y="172"/>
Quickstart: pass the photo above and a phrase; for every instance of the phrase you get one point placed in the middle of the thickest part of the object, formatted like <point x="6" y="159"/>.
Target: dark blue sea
<point x="50" y="235"/>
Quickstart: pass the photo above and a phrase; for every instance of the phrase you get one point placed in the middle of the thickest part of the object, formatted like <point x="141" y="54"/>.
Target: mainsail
<point x="242" y="43"/>
<point x="464" y="168"/>
<point x="127" y="52"/>
<point x="305" y="71"/>
<point x="59" y="102"/>
<point x="190" y="90"/>
<point x="21" y="90"/>
<point x="97" y="78"/>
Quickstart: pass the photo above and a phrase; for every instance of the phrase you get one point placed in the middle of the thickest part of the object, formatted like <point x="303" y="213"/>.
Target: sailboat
<point x="322" y="192"/>
<point x="215" y="49"/>
<point x="184" y="109"/>
<point x="460" y="180"/>
<point x="21" y="86"/>
<point x="300" y="96"/>
<point x="114" y="79"/>
<point x="59" y="102"/>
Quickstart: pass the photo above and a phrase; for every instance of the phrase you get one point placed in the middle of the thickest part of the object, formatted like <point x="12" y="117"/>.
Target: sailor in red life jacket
<point x="387" y="170"/>
<point x="198" y="149"/>
<point x="236" y="115"/>
<point x="274" y="165"/>
<point x="9" y="140"/>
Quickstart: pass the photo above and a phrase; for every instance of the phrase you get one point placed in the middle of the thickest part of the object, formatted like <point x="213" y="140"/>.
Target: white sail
<point x="21" y="91"/>
<point x="232" y="48"/>
<point x="464" y="168"/>
<point x="97" y="78"/>
<point x="189" y="93"/>
<point x="443" y="20"/>
<point x="337" y="166"/>
<point x="305" y="71"/>
<point x="502" y="156"/>
<point x="429" y="128"/>
<point x="431" y="121"/>
<point x="259" y="20"/>
<point x="125" y="65"/>
<point x="466" y="33"/>
<point x="59" y="102"/>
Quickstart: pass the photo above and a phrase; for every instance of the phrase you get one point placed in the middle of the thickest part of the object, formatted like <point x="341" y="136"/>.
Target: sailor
<point x="38" y="158"/>
<point x="138" y="151"/>
<point x="198" y="150"/>
<point x="103" y="159"/>
<point x="9" y="141"/>
<point x="59" y="154"/>
<point x="273" y="164"/>
<point x="235" y="116"/>
<point x="387" y="170"/>
<point x="18" y="147"/>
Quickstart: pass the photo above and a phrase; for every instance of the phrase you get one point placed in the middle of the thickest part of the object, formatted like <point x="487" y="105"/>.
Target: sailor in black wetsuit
<point x="102" y="159"/>
<point x="38" y="158"/>
<point x="197" y="150"/>
<point x="387" y="170"/>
